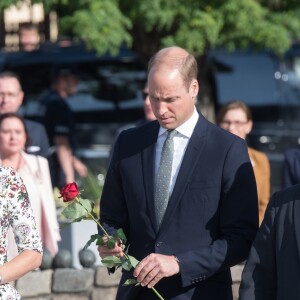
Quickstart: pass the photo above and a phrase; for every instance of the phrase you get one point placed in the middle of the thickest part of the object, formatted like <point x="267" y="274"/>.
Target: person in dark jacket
<point x="272" y="270"/>
<point x="291" y="168"/>
<point x="183" y="190"/>
<point x="60" y="125"/>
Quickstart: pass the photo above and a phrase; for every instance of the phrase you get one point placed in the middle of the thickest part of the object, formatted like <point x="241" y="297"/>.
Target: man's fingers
<point x="151" y="278"/>
<point x="140" y="266"/>
<point x="145" y="270"/>
<point x="104" y="251"/>
<point x="155" y="280"/>
<point x="154" y="267"/>
<point x="148" y="271"/>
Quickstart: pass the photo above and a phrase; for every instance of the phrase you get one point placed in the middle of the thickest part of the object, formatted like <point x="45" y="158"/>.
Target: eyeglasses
<point x="234" y="123"/>
<point x="8" y="95"/>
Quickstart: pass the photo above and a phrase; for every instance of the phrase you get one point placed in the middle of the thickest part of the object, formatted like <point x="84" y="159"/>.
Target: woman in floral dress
<point x="35" y="174"/>
<point x="15" y="211"/>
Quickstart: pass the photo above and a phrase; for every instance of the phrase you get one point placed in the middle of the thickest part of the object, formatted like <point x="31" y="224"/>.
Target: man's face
<point x="11" y="96"/>
<point x="172" y="103"/>
<point x="235" y="121"/>
<point x="71" y="84"/>
<point x="29" y="39"/>
<point x="67" y="85"/>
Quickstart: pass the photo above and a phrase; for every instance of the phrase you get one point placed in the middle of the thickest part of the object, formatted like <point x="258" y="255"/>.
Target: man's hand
<point x="154" y="267"/>
<point x="104" y="251"/>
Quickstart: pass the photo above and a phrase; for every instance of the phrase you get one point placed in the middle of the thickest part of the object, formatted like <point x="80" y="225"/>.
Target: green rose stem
<point x="108" y="236"/>
<point x="157" y="293"/>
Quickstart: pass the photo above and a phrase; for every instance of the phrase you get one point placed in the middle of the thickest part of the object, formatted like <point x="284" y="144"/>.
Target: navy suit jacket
<point x="272" y="270"/>
<point x="211" y="219"/>
<point x="38" y="139"/>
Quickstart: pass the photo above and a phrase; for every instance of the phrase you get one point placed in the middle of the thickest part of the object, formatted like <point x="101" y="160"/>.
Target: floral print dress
<point x="15" y="212"/>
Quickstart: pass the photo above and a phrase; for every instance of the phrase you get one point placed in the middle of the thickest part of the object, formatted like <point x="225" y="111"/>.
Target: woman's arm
<point x="21" y="219"/>
<point x="23" y="263"/>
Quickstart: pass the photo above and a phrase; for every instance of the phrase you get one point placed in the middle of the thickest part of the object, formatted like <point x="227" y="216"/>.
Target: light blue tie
<point x="163" y="178"/>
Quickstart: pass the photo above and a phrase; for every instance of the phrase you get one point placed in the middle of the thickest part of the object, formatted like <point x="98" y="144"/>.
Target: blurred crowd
<point x="41" y="152"/>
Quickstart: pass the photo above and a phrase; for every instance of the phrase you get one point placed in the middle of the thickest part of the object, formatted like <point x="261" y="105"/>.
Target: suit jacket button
<point x="158" y="244"/>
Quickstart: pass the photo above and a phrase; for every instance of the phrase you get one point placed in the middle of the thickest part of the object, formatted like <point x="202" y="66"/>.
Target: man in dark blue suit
<point x="186" y="247"/>
<point x="11" y="99"/>
<point x="272" y="270"/>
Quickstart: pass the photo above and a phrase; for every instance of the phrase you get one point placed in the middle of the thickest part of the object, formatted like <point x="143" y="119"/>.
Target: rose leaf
<point x="86" y="204"/>
<point x="93" y="238"/>
<point x="121" y="235"/>
<point x="126" y="265"/>
<point x="100" y="240"/>
<point x="74" y="211"/>
<point x="134" y="262"/>
<point x="111" y="243"/>
<point x="111" y="261"/>
<point x="130" y="282"/>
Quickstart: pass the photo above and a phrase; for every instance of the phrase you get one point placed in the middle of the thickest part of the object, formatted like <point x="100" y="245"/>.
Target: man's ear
<point x="249" y="126"/>
<point x="194" y="88"/>
<point x="20" y="98"/>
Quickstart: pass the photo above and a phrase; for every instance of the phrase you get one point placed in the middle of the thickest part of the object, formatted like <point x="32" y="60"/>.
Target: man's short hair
<point x="28" y="26"/>
<point x="11" y="74"/>
<point x="64" y="71"/>
<point x="186" y="65"/>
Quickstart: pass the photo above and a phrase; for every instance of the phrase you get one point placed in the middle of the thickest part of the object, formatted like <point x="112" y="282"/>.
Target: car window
<point x="290" y="77"/>
<point x="250" y="77"/>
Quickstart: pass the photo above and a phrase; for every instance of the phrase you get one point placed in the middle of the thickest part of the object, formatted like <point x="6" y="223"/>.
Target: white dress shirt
<point x="181" y="139"/>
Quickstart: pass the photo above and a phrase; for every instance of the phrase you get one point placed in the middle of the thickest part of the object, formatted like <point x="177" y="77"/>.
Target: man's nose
<point x="12" y="136"/>
<point x="147" y="101"/>
<point x="162" y="108"/>
<point x="231" y="126"/>
<point x="4" y="97"/>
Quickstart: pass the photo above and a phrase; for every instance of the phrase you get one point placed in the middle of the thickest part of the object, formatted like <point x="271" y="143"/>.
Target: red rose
<point x="69" y="192"/>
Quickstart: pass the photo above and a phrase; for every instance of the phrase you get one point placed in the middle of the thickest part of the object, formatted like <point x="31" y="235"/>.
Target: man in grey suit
<point x="11" y="99"/>
<point x="183" y="190"/>
<point x="272" y="270"/>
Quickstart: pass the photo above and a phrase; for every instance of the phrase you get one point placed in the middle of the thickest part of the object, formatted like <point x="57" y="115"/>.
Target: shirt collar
<point x="187" y="127"/>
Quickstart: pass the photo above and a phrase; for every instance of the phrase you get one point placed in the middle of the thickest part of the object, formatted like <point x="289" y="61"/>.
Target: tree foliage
<point x="196" y="25"/>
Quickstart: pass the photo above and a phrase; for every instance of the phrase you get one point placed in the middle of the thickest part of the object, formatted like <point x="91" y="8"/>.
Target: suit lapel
<point x="148" y="159"/>
<point x="189" y="162"/>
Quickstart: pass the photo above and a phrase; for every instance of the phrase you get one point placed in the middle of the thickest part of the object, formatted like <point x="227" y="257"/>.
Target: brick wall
<point x="84" y="284"/>
<point x="69" y="284"/>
